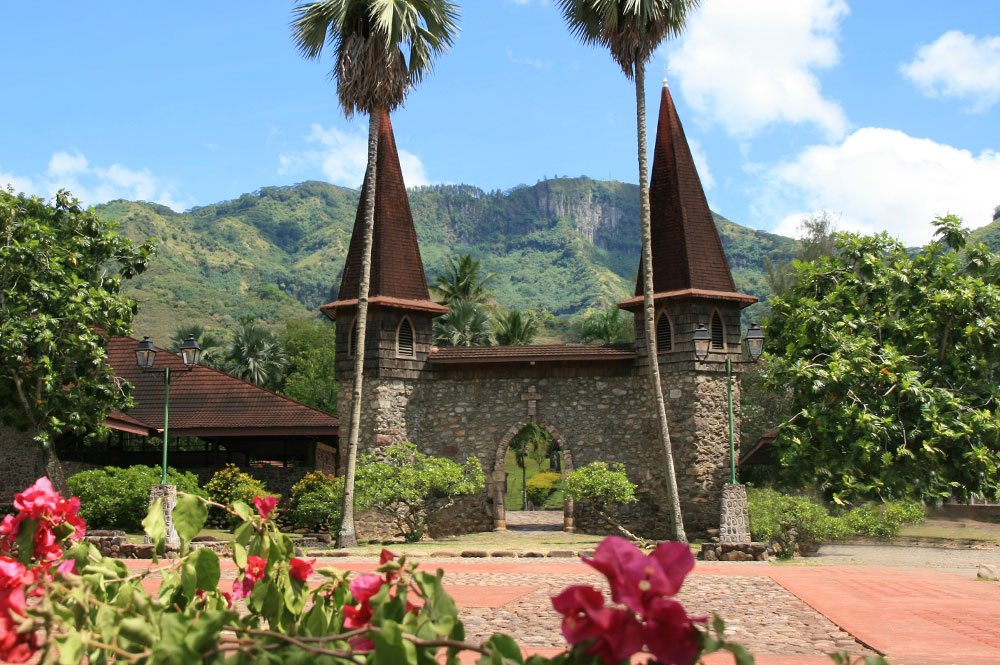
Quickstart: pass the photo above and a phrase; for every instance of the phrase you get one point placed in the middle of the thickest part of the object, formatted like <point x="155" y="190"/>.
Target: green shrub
<point x="791" y="520"/>
<point x="316" y="500"/>
<point x="883" y="521"/>
<point x="230" y="484"/>
<point x="603" y="490"/>
<point x="541" y="486"/>
<point x="118" y="498"/>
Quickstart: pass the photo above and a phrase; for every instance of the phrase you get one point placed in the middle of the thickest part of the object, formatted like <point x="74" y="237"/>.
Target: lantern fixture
<point x="702" y="340"/>
<point x="190" y="352"/>
<point x="145" y="354"/>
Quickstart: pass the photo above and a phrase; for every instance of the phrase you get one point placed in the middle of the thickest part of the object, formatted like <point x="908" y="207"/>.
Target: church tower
<point x="400" y="310"/>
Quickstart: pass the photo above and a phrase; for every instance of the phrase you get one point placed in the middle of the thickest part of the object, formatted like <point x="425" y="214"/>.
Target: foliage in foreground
<point x="892" y="362"/>
<point x="61" y="273"/>
<point x="410" y="487"/>
<point x="73" y="604"/>
<point x="604" y="490"/>
<point x="117" y="498"/>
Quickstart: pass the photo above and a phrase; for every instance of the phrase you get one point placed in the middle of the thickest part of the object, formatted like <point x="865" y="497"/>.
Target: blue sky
<point x="883" y="113"/>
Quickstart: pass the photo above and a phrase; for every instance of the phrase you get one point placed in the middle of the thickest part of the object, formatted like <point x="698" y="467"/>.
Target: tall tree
<point x="61" y="274"/>
<point x="608" y="325"/>
<point x="891" y="361"/>
<point x="373" y="74"/>
<point x="255" y="354"/>
<point x="463" y="280"/>
<point x="465" y="324"/>
<point x="817" y="238"/>
<point x="514" y="327"/>
<point x="631" y="30"/>
<point x="309" y="345"/>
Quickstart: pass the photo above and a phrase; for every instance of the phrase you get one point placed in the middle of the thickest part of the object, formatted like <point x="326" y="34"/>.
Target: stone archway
<point x="499" y="477"/>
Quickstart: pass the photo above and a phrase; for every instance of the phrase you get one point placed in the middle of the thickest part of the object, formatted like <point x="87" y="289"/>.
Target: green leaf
<point x="206" y="565"/>
<point x="154" y="525"/>
<point x="26" y="540"/>
<point x="240" y="555"/>
<point x="70" y="649"/>
<point x="505" y="646"/>
<point x="189" y="518"/>
<point x="137" y="630"/>
<point x="390" y="647"/>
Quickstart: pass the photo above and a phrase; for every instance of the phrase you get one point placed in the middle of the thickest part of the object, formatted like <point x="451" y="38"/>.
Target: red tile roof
<point x="397" y="271"/>
<point x="206" y="402"/>
<point x="687" y="251"/>
<point x="742" y="298"/>
<point x="533" y="353"/>
<point x="399" y="303"/>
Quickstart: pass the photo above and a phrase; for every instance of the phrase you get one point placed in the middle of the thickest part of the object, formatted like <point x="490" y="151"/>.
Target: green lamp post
<point x="754" y="342"/>
<point x="145" y="356"/>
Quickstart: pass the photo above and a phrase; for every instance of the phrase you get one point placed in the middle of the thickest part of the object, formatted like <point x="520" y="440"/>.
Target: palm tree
<point x="513" y="327"/>
<point x="631" y="30"/>
<point x="461" y="281"/>
<point x="373" y="75"/>
<point x="465" y="324"/>
<point x="608" y="326"/>
<point x="212" y="346"/>
<point x="255" y="354"/>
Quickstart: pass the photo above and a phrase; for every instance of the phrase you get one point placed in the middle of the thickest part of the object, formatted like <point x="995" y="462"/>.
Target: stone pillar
<point x="169" y="495"/>
<point x="499" y="511"/>
<point x="569" y="523"/>
<point x="735" y="524"/>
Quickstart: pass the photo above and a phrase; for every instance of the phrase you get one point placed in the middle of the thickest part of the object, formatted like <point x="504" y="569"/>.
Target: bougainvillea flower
<point x="611" y="558"/>
<point x="623" y="638"/>
<point x="385" y="557"/>
<point x="584" y="614"/>
<point x="48" y="511"/>
<point x="365" y="586"/>
<point x="301" y="569"/>
<point x="357" y="616"/>
<point x="67" y="567"/>
<point x="669" y="633"/>
<point x="39" y="499"/>
<point x="265" y="504"/>
<point x="658" y="575"/>
<point x="253" y="573"/>
<point x="15" y="647"/>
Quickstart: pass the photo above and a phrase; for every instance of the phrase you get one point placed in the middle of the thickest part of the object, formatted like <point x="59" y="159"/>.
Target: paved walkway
<point x="785" y="615"/>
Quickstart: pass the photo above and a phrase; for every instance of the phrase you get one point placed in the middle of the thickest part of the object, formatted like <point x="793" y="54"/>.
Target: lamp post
<point x="145" y="356"/>
<point x="754" y="342"/>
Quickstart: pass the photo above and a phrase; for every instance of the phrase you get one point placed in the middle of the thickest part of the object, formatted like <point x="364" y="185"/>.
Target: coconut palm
<point x="513" y="327"/>
<point x="461" y="280"/>
<point x="631" y="30"/>
<point x="465" y="324"/>
<point x="255" y="354"/>
<point x="212" y="346"/>
<point x="608" y="325"/>
<point x="373" y="75"/>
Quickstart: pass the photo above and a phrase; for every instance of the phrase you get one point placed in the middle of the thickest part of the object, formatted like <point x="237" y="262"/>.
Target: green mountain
<point x="561" y="245"/>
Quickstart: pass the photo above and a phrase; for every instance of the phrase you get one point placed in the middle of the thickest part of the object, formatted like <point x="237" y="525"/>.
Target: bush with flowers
<point x="66" y="601"/>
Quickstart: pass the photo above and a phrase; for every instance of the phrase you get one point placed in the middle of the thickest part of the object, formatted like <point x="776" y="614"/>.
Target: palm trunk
<point x="647" y="304"/>
<point x="347" y="536"/>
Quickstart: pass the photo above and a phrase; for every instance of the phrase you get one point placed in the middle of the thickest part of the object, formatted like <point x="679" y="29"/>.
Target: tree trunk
<point x="347" y="536"/>
<point x="673" y="499"/>
<point x="53" y="468"/>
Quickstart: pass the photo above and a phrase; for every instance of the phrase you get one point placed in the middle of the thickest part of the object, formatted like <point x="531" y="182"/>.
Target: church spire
<point x="688" y="259"/>
<point x="397" y="273"/>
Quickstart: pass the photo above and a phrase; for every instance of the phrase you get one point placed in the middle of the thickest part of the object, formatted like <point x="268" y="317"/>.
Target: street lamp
<point x="145" y="356"/>
<point x="754" y="342"/>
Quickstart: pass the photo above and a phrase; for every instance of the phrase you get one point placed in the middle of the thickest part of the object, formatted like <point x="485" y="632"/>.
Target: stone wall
<point x="20" y="465"/>
<point x="595" y="418"/>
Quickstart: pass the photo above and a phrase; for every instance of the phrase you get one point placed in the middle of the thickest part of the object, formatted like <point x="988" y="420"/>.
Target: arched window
<point x="404" y="338"/>
<point x="352" y="340"/>
<point x="664" y="334"/>
<point x="718" y="332"/>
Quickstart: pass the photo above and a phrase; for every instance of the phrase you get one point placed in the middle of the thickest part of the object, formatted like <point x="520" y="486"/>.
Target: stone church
<point x="595" y="400"/>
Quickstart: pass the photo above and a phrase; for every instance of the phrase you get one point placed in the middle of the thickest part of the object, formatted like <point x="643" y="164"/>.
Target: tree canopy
<point x="61" y="274"/>
<point x="891" y="359"/>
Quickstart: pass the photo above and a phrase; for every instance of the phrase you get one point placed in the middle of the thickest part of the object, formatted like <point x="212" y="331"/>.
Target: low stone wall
<point x="976" y="512"/>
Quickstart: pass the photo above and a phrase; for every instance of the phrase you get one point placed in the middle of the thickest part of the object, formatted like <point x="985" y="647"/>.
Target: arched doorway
<point x="525" y="440"/>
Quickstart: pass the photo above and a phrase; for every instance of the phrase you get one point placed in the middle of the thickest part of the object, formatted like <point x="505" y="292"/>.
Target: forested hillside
<point x="562" y="245"/>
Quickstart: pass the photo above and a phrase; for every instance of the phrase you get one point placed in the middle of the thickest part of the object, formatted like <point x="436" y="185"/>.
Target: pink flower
<point x="357" y="616"/>
<point x="301" y="569"/>
<point x="637" y="579"/>
<point x="67" y="567"/>
<point x="228" y="596"/>
<point x="15" y="647"/>
<point x="622" y="639"/>
<point x="39" y="499"/>
<point x="253" y="573"/>
<point x="365" y="586"/>
<point x="49" y="511"/>
<point x="669" y="633"/>
<point x="584" y="614"/>
<point x="265" y="504"/>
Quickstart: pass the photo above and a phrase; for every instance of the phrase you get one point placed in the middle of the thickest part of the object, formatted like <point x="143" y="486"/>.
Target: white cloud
<point x="960" y="66"/>
<point x="747" y="65"/>
<point x="343" y="156"/>
<point x="534" y="63"/>
<point x="884" y="180"/>
<point x="96" y="184"/>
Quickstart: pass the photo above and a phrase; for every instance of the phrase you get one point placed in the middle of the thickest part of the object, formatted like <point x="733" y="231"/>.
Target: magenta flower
<point x="301" y="569"/>
<point x="584" y="614"/>
<point x="365" y="586"/>
<point x="622" y="639"/>
<point x="669" y="633"/>
<point x="265" y="504"/>
<point x="253" y="573"/>
<point x="636" y="579"/>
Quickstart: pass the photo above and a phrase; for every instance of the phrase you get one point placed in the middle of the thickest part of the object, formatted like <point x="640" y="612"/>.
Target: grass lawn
<point x="513" y="500"/>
